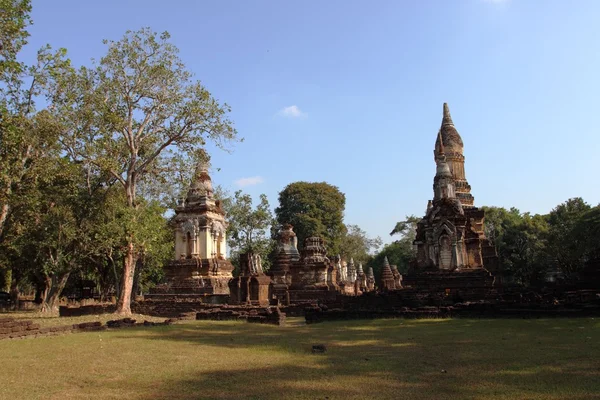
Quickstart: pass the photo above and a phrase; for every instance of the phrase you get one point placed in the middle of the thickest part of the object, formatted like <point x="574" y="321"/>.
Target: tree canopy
<point x="248" y="227"/>
<point x="314" y="209"/>
<point x="356" y="244"/>
<point x="132" y="116"/>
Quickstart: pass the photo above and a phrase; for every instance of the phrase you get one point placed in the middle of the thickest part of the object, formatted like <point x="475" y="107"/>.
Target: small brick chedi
<point x="200" y="266"/>
<point x="452" y="249"/>
<point x="251" y="286"/>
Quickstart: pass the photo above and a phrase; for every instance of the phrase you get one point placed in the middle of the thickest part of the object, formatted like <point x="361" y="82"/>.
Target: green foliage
<point x="314" y="209"/>
<point x="134" y="116"/>
<point x="400" y="252"/>
<point x="358" y="245"/>
<point x="520" y="241"/>
<point x="14" y="18"/>
<point x="564" y="244"/>
<point x="248" y="227"/>
<point x="407" y="229"/>
<point x="25" y="137"/>
<point x="44" y="231"/>
<point x="27" y="146"/>
<point x="138" y="111"/>
<point x="586" y="233"/>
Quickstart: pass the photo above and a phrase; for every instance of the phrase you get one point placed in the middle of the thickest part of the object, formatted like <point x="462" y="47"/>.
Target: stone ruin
<point x="252" y="286"/>
<point x="390" y="277"/>
<point x="312" y="275"/>
<point x="200" y="266"/>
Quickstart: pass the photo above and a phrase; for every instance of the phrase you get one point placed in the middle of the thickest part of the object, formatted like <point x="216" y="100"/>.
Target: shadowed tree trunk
<point x="6" y="279"/>
<point x="54" y="287"/>
<point x="14" y="292"/>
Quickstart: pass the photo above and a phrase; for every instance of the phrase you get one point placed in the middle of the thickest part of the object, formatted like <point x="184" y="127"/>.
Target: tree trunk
<point x="6" y="279"/>
<point x="40" y="292"/>
<point x="14" y="292"/>
<point x="129" y="261"/>
<point x="4" y="210"/>
<point x="54" y="288"/>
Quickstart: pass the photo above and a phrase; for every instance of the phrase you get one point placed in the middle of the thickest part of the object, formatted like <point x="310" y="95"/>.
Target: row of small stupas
<point x="201" y="268"/>
<point x="452" y="250"/>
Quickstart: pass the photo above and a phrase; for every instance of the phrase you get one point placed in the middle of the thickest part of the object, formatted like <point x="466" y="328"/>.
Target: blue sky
<point x="351" y="92"/>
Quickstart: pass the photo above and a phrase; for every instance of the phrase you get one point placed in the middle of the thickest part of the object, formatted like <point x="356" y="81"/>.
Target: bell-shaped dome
<point x="452" y="141"/>
<point x="201" y="183"/>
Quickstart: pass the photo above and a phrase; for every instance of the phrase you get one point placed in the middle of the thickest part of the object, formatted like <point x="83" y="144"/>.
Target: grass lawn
<point x="386" y="359"/>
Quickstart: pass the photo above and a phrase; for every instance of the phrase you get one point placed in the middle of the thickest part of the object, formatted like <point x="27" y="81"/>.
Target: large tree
<point x="520" y="239"/>
<point x="314" y="209"/>
<point x="248" y="226"/>
<point x="564" y="244"/>
<point x="586" y="233"/>
<point x="27" y="138"/>
<point x="131" y="115"/>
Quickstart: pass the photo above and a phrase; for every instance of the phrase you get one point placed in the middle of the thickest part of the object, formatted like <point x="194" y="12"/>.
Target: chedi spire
<point x="387" y="277"/>
<point x="447" y="118"/>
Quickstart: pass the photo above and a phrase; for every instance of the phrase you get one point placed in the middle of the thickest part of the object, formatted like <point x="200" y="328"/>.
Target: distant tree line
<point x="532" y="249"/>
<point x="535" y="248"/>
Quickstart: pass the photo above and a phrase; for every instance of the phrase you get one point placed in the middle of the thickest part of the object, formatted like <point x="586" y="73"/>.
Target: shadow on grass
<point x="462" y="359"/>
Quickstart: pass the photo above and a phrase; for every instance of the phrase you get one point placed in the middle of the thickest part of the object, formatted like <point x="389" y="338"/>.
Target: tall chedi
<point x="451" y="143"/>
<point x="200" y="265"/>
<point x="453" y="253"/>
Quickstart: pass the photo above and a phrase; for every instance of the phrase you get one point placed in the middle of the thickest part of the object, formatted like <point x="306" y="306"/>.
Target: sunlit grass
<point x="387" y="359"/>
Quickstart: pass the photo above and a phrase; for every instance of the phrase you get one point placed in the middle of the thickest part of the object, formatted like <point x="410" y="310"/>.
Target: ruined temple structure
<point x="361" y="279"/>
<point x="370" y="280"/>
<point x="251" y="286"/>
<point x="452" y="250"/>
<point x="200" y="266"/>
<point x="311" y="272"/>
<point x="286" y="254"/>
<point x="388" y="281"/>
<point x="397" y="276"/>
<point x="348" y="279"/>
<point x="295" y="277"/>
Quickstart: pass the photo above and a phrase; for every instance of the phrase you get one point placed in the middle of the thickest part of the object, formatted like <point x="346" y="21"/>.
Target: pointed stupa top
<point x="448" y="139"/>
<point x="443" y="169"/>
<point x="447" y="118"/>
<point x="201" y="182"/>
<point x="441" y="143"/>
<point x="370" y="273"/>
<point x="360" y="269"/>
<point x="387" y="276"/>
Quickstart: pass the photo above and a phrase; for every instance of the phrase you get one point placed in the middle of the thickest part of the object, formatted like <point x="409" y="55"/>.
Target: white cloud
<point x="292" y="112"/>
<point x="251" y="181"/>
